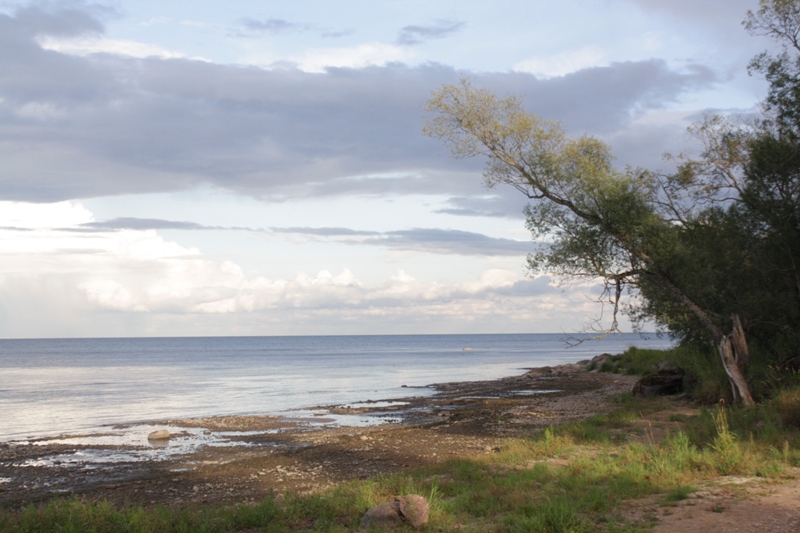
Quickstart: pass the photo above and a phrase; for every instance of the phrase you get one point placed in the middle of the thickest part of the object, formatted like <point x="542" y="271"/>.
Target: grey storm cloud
<point x="78" y="127"/>
<point x="411" y="35"/>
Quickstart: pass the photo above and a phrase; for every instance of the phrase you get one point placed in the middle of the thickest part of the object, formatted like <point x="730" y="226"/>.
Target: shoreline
<point x="236" y="459"/>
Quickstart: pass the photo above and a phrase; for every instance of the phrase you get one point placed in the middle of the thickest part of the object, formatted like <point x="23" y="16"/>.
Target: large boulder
<point x="411" y="509"/>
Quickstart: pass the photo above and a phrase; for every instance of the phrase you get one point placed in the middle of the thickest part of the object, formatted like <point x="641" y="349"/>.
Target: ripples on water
<point x="54" y="386"/>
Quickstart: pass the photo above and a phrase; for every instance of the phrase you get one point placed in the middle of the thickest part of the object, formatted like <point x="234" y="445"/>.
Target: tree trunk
<point x="735" y="357"/>
<point x="732" y="348"/>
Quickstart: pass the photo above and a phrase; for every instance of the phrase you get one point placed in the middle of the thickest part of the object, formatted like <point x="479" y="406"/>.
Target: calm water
<point x="52" y="386"/>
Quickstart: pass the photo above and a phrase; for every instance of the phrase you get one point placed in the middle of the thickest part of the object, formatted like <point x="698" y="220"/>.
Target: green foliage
<point x="718" y="238"/>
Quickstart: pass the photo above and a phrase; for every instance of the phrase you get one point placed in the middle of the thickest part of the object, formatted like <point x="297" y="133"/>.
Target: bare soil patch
<point x="729" y="505"/>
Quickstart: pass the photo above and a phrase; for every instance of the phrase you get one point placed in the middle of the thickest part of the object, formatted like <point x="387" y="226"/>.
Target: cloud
<point x="335" y="34"/>
<point x="506" y="203"/>
<point x="325" y="232"/>
<point x="85" y="45"/>
<point x="722" y="12"/>
<point x="272" y="25"/>
<point x="137" y="282"/>
<point x="412" y="35"/>
<point x="75" y="126"/>
<point x="141" y="224"/>
<point x="319" y="60"/>
<point x="564" y="63"/>
<point x="452" y="242"/>
<point x="428" y="240"/>
<point x="718" y="20"/>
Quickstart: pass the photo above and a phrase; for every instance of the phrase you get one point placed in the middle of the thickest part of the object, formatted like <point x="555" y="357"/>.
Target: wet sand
<point x="236" y="459"/>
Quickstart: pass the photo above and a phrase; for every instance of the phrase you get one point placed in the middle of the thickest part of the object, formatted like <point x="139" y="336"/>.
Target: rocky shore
<point x="235" y="459"/>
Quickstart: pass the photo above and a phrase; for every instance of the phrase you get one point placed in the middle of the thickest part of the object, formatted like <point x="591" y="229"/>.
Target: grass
<point x="572" y="478"/>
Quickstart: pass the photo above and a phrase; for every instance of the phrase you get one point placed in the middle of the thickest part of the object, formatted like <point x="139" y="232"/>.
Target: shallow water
<point x="54" y="386"/>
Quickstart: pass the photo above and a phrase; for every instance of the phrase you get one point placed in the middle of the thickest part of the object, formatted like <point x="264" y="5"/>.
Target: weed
<point x="553" y="516"/>
<point x="729" y="454"/>
<point x="679" y="493"/>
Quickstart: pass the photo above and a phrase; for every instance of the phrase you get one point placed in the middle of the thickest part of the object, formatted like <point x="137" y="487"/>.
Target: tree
<point x="592" y="220"/>
<point x="771" y="200"/>
<point x="711" y="248"/>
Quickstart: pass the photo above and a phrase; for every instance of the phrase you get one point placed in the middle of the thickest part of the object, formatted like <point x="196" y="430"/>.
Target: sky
<point x="258" y="168"/>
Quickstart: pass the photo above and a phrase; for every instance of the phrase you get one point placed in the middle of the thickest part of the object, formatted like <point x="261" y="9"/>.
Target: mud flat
<point x="235" y="459"/>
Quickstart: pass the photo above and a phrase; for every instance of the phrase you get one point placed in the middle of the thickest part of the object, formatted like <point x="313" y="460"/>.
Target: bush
<point x="787" y="406"/>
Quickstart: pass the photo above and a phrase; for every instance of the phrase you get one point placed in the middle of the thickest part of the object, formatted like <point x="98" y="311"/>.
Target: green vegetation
<point x="569" y="478"/>
<point x="711" y="250"/>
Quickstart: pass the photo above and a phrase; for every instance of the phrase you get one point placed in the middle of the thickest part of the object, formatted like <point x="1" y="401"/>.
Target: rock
<point x="161" y="434"/>
<point x="411" y="509"/>
<point x="665" y="365"/>
<point x="664" y="383"/>
<point x="384" y="515"/>
<point x="598" y="361"/>
<point x="415" y="509"/>
<point x="542" y="371"/>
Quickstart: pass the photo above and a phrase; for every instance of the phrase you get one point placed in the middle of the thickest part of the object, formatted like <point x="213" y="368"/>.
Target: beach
<point x="248" y="457"/>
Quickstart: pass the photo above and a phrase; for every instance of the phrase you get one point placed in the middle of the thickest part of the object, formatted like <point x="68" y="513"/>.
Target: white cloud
<point x="89" y="44"/>
<point x="42" y="216"/>
<point x="364" y="55"/>
<point x="564" y="63"/>
<point x="141" y="283"/>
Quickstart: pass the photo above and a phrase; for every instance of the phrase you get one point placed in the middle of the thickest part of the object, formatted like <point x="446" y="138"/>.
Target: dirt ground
<point x="728" y="505"/>
<point x="265" y="455"/>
